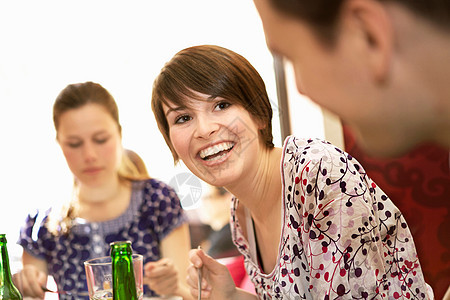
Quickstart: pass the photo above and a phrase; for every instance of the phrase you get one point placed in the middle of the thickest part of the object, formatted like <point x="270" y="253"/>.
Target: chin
<point x="93" y="182"/>
<point x="213" y="177"/>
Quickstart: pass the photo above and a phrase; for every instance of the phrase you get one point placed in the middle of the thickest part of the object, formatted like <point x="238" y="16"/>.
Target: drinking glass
<point x="99" y="277"/>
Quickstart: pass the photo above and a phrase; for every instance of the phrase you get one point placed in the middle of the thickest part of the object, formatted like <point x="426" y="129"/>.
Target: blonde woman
<point x="114" y="199"/>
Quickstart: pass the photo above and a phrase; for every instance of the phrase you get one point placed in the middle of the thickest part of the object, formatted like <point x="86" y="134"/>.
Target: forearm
<point x="32" y="277"/>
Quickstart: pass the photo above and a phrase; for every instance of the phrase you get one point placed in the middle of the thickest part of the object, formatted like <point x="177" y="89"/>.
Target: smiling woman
<point x="121" y="45"/>
<point x="49" y="44"/>
<point x="215" y="131"/>
<point x="306" y="217"/>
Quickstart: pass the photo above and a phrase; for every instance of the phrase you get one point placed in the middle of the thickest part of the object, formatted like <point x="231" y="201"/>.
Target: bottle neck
<point x="121" y="249"/>
<point x="5" y="271"/>
<point x="124" y="283"/>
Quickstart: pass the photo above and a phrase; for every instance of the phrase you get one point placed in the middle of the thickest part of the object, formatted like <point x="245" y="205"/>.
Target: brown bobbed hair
<point x="217" y="72"/>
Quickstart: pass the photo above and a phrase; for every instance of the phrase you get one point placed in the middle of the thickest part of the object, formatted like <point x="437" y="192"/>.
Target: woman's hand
<point x="161" y="276"/>
<point x="217" y="282"/>
<point x="30" y="281"/>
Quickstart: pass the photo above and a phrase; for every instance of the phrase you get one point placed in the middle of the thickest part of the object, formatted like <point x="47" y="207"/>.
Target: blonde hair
<point x="131" y="168"/>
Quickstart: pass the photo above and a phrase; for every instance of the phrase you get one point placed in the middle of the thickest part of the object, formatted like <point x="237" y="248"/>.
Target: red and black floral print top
<point x="342" y="237"/>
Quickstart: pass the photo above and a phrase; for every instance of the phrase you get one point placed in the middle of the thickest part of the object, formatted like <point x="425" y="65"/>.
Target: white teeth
<point x="215" y="149"/>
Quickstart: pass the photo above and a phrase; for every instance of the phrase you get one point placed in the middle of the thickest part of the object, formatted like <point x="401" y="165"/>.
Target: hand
<point x="161" y="276"/>
<point x="217" y="282"/>
<point x="30" y="281"/>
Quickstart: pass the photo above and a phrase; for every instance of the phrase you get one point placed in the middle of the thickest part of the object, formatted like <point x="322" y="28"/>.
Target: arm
<point x="169" y="274"/>
<point x="32" y="277"/>
<point x="217" y="282"/>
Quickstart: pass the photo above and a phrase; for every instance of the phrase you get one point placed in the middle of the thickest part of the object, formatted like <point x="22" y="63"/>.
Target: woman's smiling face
<point x="216" y="139"/>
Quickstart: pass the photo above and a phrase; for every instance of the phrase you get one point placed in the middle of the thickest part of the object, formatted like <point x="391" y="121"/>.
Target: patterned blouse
<point x="154" y="211"/>
<point x="342" y="237"/>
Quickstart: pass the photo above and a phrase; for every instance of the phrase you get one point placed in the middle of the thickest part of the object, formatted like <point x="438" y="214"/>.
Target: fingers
<point x="30" y="281"/>
<point x="199" y="259"/>
<point x="195" y="258"/>
<point x="192" y="281"/>
<point x="207" y="264"/>
<point x="161" y="276"/>
<point x="206" y="294"/>
<point x="217" y="282"/>
<point x="163" y="267"/>
<point x="163" y="285"/>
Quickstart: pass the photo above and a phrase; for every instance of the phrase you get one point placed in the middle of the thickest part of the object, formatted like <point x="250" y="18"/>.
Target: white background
<point x="45" y="45"/>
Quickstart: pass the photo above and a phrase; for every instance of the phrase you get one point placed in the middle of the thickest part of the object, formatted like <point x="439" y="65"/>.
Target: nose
<point x="206" y="127"/>
<point x="89" y="152"/>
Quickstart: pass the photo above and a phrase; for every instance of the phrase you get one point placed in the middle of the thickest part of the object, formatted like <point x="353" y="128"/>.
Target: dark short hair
<point x="217" y="72"/>
<point x="323" y="14"/>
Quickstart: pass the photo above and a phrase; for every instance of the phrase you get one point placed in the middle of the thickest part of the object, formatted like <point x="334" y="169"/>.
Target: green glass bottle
<point x="124" y="283"/>
<point x="8" y="291"/>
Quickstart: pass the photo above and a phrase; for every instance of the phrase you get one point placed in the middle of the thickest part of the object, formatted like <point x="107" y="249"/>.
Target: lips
<point x="92" y="170"/>
<point x="216" y="151"/>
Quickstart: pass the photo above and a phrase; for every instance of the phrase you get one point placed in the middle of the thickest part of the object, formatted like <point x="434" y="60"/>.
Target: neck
<point x="103" y="203"/>
<point x="435" y="66"/>
<point x="261" y="189"/>
<point x="99" y="194"/>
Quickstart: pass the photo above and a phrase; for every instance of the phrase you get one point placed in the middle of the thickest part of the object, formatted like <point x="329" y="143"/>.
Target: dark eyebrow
<point x="178" y="108"/>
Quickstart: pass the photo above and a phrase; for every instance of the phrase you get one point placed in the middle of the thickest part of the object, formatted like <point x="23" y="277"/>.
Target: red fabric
<point x="419" y="185"/>
<point x="247" y="284"/>
<point x="237" y="269"/>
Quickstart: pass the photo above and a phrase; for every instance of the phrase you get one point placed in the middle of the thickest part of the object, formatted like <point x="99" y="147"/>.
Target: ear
<point x="374" y="23"/>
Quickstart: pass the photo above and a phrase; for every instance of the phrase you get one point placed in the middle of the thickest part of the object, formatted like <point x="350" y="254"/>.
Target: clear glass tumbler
<point x="99" y="276"/>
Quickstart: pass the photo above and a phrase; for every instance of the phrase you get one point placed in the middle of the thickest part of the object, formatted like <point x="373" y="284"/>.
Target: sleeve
<point x="163" y="207"/>
<point x="33" y="234"/>
<point x="354" y="238"/>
